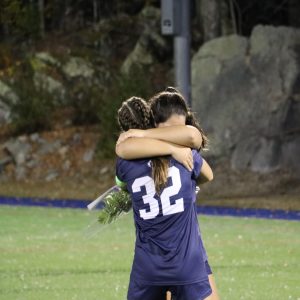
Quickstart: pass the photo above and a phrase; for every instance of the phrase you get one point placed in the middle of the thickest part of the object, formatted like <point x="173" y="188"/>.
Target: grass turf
<point x="48" y="253"/>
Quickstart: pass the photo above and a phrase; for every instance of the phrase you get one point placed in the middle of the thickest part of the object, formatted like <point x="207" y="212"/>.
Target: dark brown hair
<point x="135" y="113"/>
<point x="169" y="102"/>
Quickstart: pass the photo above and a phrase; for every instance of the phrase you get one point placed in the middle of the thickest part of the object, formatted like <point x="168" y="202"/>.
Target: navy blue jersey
<point x="196" y="174"/>
<point x="168" y="249"/>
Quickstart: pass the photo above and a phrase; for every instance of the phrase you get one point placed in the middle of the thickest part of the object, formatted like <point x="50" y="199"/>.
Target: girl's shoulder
<point x="128" y="169"/>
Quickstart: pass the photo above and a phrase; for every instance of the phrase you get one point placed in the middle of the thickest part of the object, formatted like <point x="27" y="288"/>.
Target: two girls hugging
<point x="160" y="167"/>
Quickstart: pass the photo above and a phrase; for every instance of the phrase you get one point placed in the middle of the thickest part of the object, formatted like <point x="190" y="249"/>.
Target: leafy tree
<point x="20" y="19"/>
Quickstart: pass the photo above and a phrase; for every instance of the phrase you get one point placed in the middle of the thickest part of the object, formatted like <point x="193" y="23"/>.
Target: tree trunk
<point x="95" y="12"/>
<point x="294" y="12"/>
<point x="225" y="19"/>
<point x="42" y="18"/>
<point x="66" y="16"/>
<point x="210" y="18"/>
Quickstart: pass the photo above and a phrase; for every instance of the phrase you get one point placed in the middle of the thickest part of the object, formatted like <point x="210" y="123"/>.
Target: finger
<point x="189" y="165"/>
<point x="120" y="140"/>
<point x="122" y="137"/>
<point x="186" y="165"/>
<point x="192" y="161"/>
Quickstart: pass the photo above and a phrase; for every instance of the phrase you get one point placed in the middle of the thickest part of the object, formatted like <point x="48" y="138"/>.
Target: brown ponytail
<point x="160" y="168"/>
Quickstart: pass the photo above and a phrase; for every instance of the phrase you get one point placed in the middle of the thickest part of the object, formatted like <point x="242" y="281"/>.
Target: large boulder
<point x="47" y="59"/>
<point x="4" y="113"/>
<point x="151" y="46"/>
<point x="246" y="93"/>
<point x="78" y="67"/>
<point x="51" y="85"/>
<point x="19" y="149"/>
<point x="7" y="95"/>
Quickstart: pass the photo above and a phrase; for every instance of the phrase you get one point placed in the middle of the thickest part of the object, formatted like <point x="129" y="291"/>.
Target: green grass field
<point x="48" y="253"/>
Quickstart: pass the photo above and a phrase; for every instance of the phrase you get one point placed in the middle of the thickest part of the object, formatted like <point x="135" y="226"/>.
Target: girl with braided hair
<point x="163" y="219"/>
<point x="136" y="113"/>
<point x="172" y="103"/>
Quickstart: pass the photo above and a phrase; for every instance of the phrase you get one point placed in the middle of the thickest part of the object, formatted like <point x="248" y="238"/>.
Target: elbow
<point x="119" y="149"/>
<point x="210" y="176"/>
<point x="195" y="138"/>
<point x="196" y="142"/>
<point x="125" y="150"/>
<point x="206" y="178"/>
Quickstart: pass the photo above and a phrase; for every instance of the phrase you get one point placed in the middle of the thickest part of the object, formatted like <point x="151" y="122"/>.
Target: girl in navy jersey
<point x="158" y="209"/>
<point x="166" y="109"/>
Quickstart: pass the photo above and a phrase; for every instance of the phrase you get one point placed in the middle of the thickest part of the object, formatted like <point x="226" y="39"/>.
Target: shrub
<point x="126" y="86"/>
<point x="86" y="100"/>
<point x="21" y="19"/>
<point x="32" y="111"/>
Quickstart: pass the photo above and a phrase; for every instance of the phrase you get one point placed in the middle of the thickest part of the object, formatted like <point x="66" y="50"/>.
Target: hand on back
<point x="183" y="155"/>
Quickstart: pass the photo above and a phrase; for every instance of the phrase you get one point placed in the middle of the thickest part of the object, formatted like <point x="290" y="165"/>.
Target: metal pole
<point x="182" y="57"/>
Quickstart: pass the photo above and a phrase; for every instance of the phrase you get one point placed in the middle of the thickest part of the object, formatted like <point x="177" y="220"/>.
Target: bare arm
<point x="184" y="135"/>
<point x="135" y="148"/>
<point x="206" y="173"/>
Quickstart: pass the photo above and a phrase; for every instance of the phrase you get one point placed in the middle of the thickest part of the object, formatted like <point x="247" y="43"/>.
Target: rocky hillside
<point x="58" y="102"/>
<point x="60" y="163"/>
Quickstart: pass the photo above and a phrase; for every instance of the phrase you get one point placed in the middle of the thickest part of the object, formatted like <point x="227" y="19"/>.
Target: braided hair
<point x="169" y="102"/>
<point x="135" y="113"/>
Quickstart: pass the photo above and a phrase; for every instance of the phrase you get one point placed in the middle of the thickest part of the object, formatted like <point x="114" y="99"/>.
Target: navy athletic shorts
<point x="208" y="269"/>
<point x="194" y="291"/>
<point x="174" y="291"/>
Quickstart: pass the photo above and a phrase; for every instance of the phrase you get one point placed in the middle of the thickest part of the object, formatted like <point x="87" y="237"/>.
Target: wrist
<point x="143" y="133"/>
<point x="172" y="149"/>
<point x="146" y="133"/>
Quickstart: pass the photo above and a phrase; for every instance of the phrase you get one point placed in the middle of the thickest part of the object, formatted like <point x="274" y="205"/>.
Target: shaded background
<point x="66" y="66"/>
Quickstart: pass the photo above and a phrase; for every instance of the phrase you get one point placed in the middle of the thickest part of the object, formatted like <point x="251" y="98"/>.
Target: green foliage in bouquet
<point x="115" y="204"/>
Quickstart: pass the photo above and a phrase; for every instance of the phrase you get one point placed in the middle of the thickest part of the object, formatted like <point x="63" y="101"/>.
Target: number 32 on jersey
<point x="167" y="207"/>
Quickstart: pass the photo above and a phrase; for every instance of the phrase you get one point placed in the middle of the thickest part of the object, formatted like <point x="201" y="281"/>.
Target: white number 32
<point x="167" y="207"/>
